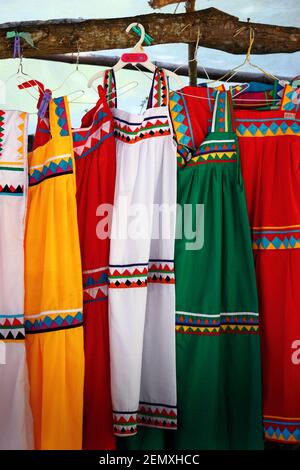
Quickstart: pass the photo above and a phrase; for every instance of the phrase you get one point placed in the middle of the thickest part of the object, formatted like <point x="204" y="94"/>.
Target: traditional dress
<point x="95" y="157"/>
<point x="141" y="270"/>
<point x="270" y="155"/>
<point x="53" y="296"/>
<point x="217" y="322"/>
<point x="16" y="432"/>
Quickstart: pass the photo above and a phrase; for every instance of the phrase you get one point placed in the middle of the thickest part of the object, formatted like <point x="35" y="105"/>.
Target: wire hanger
<point x="74" y="72"/>
<point x="231" y="73"/>
<point x="135" y="56"/>
<point x="195" y="58"/>
<point x="20" y="76"/>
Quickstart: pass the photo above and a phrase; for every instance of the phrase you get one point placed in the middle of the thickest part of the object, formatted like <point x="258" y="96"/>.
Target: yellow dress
<point x="53" y="289"/>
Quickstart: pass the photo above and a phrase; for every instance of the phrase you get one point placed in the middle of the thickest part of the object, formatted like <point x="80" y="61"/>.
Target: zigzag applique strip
<point x="10" y="190"/>
<point x="12" y="136"/>
<point x="281" y="429"/>
<point x="2" y="116"/>
<point x="55" y="321"/>
<point x="62" y="120"/>
<point x="268" y="128"/>
<point x="135" y="132"/>
<point x="86" y="141"/>
<point x="161" y="272"/>
<point x="128" y="276"/>
<point x="95" y="285"/>
<point x="214" y="325"/>
<point x="12" y="328"/>
<point x="148" y="415"/>
<point x="276" y="238"/>
<point x="58" y="166"/>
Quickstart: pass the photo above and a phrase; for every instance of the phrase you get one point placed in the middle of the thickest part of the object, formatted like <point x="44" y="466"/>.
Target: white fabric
<point x="16" y="430"/>
<point x="142" y="319"/>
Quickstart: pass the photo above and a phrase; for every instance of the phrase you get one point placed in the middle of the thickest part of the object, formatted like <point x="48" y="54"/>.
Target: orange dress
<point x="53" y="289"/>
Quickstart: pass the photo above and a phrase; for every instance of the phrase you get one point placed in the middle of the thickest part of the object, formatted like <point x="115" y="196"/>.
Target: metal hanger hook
<point x="78" y="55"/>
<point x="139" y="44"/>
<point x="20" y="68"/>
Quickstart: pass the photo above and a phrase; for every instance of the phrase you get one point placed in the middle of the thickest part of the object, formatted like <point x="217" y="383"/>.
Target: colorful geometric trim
<point x="148" y="415"/>
<point x="291" y="99"/>
<point x="12" y="135"/>
<point x="56" y="166"/>
<point x="268" y="127"/>
<point x="130" y="132"/>
<point x="2" y="115"/>
<point x="214" y="325"/>
<point x="11" y="190"/>
<point x="139" y="275"/>
<point x="181" y="121"/>
<point x="127" y="276"/>
<point x="109" y="85"/>
<point x="95" y="285"/>
<point x="282" y="430"/>
<point x="215" y="149"/>
<point x="159" y="92"/>
<point x="53" y="321"/>
<point x="61" y="113"/>
<point x="87" y="141"/>
<point x="222" y="118"/>
<point x="276" y="238"/>
<point x="161" y="272"/>
<point x="12" y="328"/>
<point x="125" y="423"/>
<point x="157" y="416"/>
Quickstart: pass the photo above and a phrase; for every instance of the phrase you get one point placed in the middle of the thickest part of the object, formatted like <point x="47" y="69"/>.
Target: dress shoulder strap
<point x="159" y="93"/>
<point x="109" y="84"/>
<point x="223" y="118"/>
<point x="59" y="117"/>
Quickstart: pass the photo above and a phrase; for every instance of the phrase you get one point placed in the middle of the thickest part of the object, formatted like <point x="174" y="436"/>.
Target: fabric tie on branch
<point x="17" y="41"/>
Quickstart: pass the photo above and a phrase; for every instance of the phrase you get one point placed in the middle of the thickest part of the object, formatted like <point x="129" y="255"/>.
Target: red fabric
<point x="95" y="156"/>
<point x="271" y="173"/>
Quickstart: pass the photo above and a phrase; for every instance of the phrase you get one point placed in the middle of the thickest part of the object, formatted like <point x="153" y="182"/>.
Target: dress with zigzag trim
<point x="95" y="158"/>
<point x="16" y="430"/>
<point x="141" y="266"/>
<point x="53" y="289"/>
<point x="269" y="142"/>
<point x="217" y="322"/>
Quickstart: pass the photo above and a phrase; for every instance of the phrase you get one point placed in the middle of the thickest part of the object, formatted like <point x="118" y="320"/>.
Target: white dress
<point x="15" y="415"/>
<point x="141" y="271"/>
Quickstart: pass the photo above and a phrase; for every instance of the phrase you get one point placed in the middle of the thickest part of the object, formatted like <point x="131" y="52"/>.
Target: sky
<point x="281" y="12"/>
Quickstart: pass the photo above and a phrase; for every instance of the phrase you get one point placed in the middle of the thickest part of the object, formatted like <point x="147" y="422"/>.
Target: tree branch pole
<point x="217" y="31"/>
<point x="192" y="53"/>
<point x="162" y="3"/>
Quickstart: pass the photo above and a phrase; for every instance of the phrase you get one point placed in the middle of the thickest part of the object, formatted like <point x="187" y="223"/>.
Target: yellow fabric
<point x="53" y="292"/>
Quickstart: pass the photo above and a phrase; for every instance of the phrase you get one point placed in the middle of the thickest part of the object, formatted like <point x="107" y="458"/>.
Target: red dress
<point x="95" y="158"/>
<point x="270" y="156"/>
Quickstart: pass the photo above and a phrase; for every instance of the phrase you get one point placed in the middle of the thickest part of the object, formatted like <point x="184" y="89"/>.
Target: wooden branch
<point x="162" y="3"/>
<point x="216" y="31"/>
<point x="192" y="52"/>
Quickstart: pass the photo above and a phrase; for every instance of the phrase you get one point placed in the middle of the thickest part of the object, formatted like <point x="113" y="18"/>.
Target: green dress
<point x="217" y="331"/>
